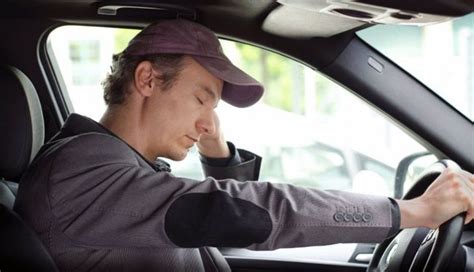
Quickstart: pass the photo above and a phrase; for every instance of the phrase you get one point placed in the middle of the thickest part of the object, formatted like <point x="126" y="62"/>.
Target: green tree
<point x="283" y="79"/>
<point x="122" y="37"/>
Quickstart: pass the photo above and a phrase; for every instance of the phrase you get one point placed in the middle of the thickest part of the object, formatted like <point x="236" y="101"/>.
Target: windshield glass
<point x="439" y="55"/>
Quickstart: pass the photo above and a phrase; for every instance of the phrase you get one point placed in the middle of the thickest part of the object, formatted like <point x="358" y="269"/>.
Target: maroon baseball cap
<point x="180" y="36"/>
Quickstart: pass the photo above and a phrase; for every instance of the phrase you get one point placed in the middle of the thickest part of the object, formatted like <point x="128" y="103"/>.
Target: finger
<point x="467" y="180"/>
<point x="470" y="212"/>
<point x="463" y="191"/>
<point x="469" y="192"/>
<point x="466" y="196"/>
<point x="468" y="218"/>
<point x="467" y="175"/>
<point x="458" y="174"/>
<point x="216" y="118"/>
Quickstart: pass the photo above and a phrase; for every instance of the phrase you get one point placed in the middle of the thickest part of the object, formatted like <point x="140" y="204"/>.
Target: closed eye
<point x="199" y="100"/>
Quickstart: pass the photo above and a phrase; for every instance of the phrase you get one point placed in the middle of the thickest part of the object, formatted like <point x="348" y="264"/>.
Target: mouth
<point x="192" y="139"/>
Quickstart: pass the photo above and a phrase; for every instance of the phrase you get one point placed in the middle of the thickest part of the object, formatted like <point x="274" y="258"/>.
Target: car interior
<point x="319" y="34"/>
<point x="24" y="135"/>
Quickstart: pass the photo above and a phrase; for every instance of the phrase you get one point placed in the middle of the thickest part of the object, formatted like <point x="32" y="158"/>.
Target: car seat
<point x="21" y="135"/>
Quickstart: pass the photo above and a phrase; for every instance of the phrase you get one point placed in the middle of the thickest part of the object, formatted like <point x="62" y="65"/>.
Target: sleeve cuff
<point x="232" y="160"/>
<point x="242" y="166"/>
<point x="395" y="211"/>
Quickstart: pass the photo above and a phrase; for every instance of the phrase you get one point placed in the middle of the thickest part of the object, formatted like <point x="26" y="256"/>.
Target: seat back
<point x="20" y="247"/>
<point x="21" y="135"/>
<point x="21" y="122"/>
<point x="8" y="191"/>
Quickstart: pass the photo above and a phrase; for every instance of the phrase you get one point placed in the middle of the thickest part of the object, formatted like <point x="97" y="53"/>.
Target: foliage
<point x="284" y="80"/>
<point x="122" y="37"/>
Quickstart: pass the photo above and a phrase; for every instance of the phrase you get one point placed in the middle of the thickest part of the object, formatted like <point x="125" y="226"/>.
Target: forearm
<point x="420" y="212"/>
<point x="319" y="218"/>
<point x="412" y="214"/>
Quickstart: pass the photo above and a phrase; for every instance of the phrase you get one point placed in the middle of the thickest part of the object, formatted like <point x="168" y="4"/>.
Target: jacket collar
<point x="77" y="124"/>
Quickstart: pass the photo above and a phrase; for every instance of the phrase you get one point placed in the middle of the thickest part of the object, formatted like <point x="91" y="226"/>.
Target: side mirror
<point x="409" y="163"/>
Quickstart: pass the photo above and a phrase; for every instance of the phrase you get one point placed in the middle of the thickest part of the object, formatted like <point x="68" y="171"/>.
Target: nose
<point x="206" y="124"/>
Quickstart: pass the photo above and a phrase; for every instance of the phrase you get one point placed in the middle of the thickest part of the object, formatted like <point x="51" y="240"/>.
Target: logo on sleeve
<point x="352" y="214"/>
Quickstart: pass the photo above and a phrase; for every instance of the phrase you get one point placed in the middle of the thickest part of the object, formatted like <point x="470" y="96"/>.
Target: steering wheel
<point x="421" y="249"/>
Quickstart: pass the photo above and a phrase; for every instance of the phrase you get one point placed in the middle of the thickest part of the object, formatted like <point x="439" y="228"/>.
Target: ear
<point x="144" y="78"/>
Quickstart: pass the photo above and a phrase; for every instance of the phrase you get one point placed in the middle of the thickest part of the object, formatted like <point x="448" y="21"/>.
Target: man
<point x="100" y="201"/>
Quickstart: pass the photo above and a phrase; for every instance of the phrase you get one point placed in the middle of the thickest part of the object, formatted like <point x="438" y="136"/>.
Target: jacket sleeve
<point x="242" y="166"/>
<point x="102" y="196"/>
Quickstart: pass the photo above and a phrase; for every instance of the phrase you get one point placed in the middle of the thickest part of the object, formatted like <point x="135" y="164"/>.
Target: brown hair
<point x="122" y="73"/>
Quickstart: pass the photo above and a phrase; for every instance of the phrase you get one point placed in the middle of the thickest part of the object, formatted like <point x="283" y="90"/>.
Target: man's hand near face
<point x="213" y="144"/>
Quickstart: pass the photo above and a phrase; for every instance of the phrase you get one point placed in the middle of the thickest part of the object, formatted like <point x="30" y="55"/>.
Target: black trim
<point x="51" y="71"/>
<point x="242" y="264"/>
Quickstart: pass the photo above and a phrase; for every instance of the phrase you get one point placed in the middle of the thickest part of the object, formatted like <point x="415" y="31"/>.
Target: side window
<point x="316" y="166"/>
<point x="309" y="130"/>
<point x="83" y="56"/>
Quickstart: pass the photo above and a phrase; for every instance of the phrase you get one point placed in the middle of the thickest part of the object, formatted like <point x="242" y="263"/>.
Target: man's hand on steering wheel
<point x="450" y="194"/>
<point x="446" y="204"/>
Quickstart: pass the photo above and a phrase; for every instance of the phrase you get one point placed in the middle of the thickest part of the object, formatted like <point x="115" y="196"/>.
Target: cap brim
<point x="240" y="89"/>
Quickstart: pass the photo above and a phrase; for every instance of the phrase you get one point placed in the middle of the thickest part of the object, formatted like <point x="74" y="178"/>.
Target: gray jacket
<point x="97" y="204"/>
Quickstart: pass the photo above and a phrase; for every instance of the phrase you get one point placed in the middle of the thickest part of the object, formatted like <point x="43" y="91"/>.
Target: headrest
<point x="21" y="122"/>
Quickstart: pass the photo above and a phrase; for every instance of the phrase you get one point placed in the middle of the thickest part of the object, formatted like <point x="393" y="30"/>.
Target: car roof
<point x="267" y="23"/>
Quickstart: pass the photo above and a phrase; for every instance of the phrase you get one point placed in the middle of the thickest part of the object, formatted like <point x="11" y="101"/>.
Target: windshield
<point x="439" y="55"/>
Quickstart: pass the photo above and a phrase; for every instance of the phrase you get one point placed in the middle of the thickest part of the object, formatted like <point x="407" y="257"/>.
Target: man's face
<point x="177" y="117"/>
